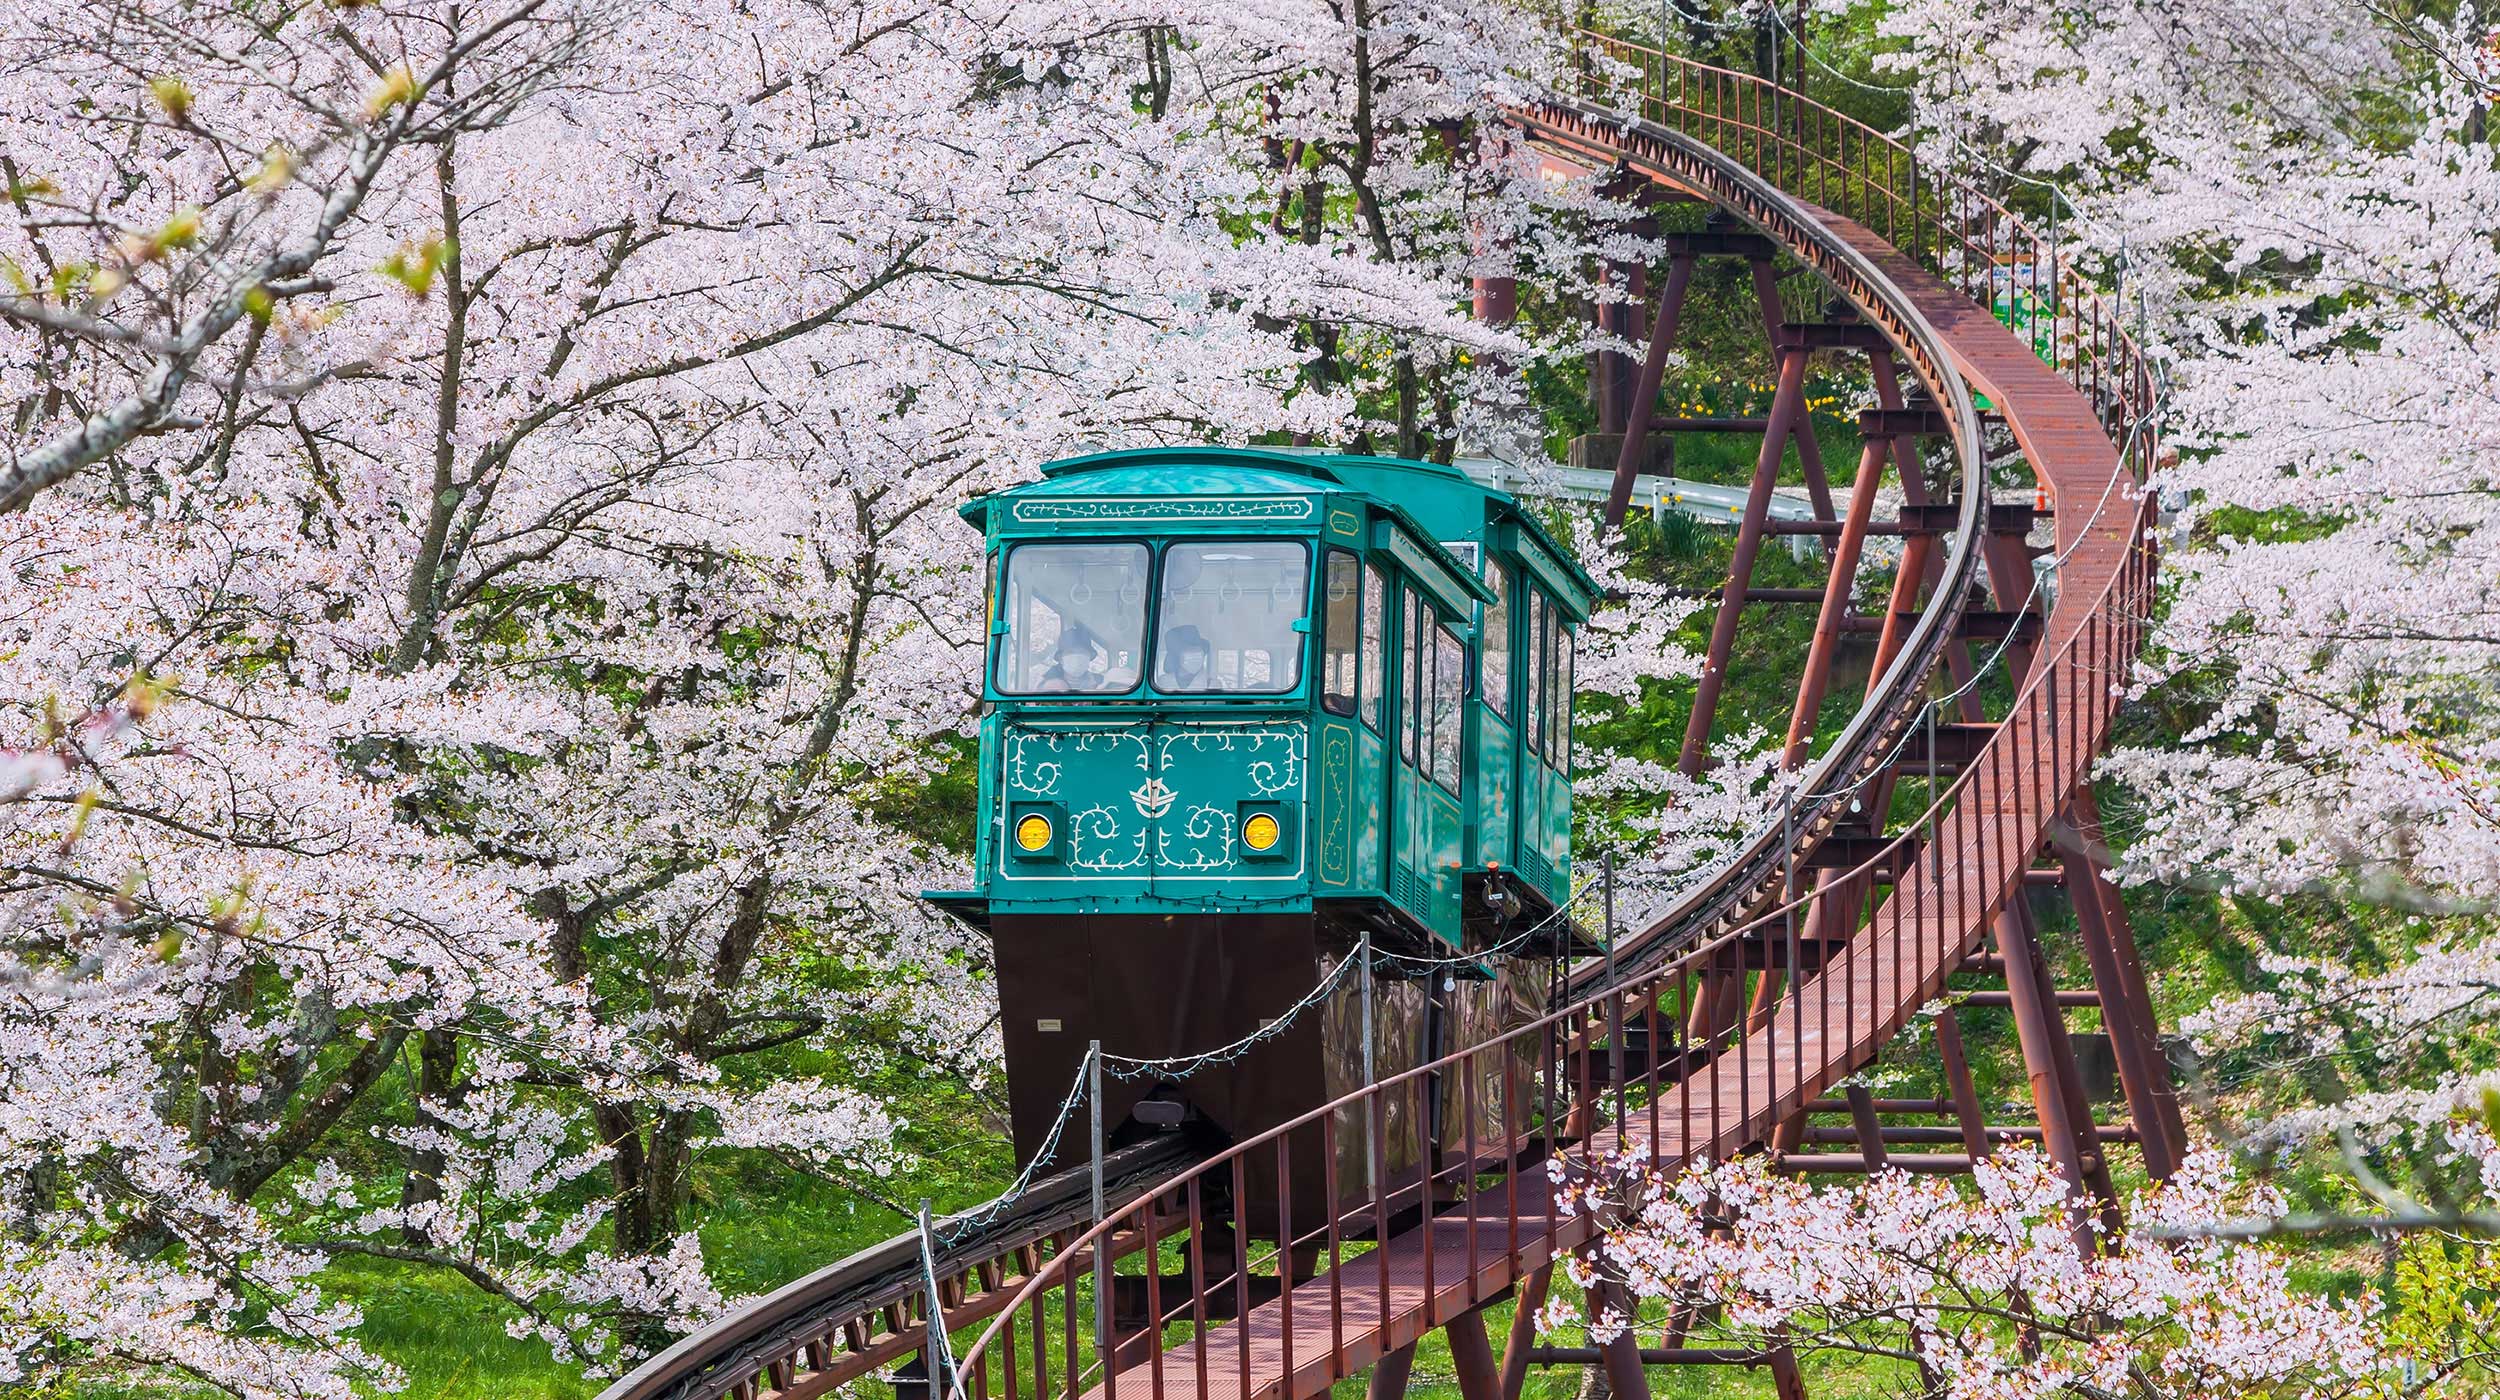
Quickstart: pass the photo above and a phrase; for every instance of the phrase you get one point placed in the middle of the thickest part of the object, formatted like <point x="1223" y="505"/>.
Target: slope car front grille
<point x="1407" y="888"/>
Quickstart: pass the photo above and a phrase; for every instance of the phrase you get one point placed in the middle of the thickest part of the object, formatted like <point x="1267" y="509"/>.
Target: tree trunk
<point x="438" y="1069"/>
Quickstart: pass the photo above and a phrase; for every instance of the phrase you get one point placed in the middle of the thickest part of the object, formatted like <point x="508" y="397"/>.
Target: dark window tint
<point x="1375" y="660"/>
<point x="1557" y="731"/>
<point x="1419" y="656"/>
<point x="1496" y="640"/>
<point x="1342" y="592"/>
<point x="1533" y="731"/>
<point x="1564" y="700"/>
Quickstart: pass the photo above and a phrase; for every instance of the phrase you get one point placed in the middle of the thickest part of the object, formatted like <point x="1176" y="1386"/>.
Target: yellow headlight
<point x="1260" y="832"/>
<point x="1033" y="832"/>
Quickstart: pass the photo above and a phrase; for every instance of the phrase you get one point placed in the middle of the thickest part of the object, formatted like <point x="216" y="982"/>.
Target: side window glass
<point x="1449" y="685"/>
<point x="1534" y="730"/>
<point x="1410" y="688"/>
<point x="1557" y="730"/>
<point x="1375" y="661"/>
<point x="1427" y="707"/>
<point x="1342" y="628"/>
<point x="1497" y="640"/>
<point x="1566" y="701"/>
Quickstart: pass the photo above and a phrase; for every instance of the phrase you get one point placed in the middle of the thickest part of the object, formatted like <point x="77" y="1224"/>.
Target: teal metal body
<point x="1235" y="681"/>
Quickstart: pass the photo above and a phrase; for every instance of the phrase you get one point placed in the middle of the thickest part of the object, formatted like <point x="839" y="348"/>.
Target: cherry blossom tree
<point x="484" y="591"/>
<point x="2304" y="231"/>
<point x="1977" y="1293"/>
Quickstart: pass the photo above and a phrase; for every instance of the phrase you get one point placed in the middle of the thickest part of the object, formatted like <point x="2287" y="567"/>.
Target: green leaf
<point x="415" y="268"/>
<point x="174" y="95"/>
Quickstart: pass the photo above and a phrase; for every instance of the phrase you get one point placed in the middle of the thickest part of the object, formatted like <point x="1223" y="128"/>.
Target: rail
<point x="1480" y="1216"/>
<point x="1388" y="1254"/>
<point x="1972" y="240"/>
<point x="1749" y="880"/>
<point x="870" y="1309"/>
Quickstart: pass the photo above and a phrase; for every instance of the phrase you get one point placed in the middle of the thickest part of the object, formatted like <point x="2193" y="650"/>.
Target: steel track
<point x="864" y="1312"/>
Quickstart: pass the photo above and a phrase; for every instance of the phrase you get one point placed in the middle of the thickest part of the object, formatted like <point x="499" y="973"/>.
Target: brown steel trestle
<point x="1740" y="1017"/>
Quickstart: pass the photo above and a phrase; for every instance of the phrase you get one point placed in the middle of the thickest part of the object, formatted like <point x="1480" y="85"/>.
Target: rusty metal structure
<point x="1736" y="1021"/>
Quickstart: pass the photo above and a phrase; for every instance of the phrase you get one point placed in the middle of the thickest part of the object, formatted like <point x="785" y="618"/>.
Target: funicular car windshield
<point x="1076" y="619"/>
<point x="1228" y="615"/>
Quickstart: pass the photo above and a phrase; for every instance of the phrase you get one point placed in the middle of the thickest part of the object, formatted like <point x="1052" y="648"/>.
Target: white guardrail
<point x="1705" y="501"/>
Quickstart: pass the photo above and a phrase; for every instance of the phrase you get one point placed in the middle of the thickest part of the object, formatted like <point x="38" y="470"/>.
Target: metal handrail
<point x="1883" y="184"/>
<point x="1747" y="879"/>
<point x="736" y="1349"/>
<point x="2027" y="762"/>
<point x="1752" y="140"/>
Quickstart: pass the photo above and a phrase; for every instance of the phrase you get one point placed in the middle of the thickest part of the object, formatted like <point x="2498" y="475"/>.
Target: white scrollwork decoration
<point x="1205" y="823"/>
<point x="1097" y="828"/>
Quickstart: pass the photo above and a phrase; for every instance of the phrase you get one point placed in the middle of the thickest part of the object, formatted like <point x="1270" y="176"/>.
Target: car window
<point x="1227" y="623"/>
<point x="1342" y="626"/>
<point x="1076" y="619"/>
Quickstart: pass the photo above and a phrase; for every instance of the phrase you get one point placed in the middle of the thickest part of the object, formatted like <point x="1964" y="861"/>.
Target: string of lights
<point x="972" y="1222"/>
<point x="1132" y="1068"/>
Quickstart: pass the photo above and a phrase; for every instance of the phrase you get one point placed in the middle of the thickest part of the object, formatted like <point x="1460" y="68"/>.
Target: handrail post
<point x="1935" y="847"/>
<point x="1796" y="964"/>
<point x="934" y="1349"/>
<point x="1102" y="1245"/>
<point x="1371" y="1075"/>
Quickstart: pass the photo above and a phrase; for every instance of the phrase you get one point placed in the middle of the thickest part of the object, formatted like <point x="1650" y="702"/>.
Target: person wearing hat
<point x="1186" y="660"/>
<point x="1073" y="669"/>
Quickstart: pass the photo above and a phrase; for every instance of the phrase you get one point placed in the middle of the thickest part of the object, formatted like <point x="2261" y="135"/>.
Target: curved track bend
<point x="1664" y="1062"/>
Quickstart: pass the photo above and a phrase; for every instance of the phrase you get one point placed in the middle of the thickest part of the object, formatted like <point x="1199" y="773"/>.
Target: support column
<point x="2070" y="1077"/>
<point x="1786" y="1382"/>
<point x="1609" y="370"/>
<point x="2142" y="1076"/>
<point x="1930" y="566"/>
<point x="1389" y="1374"/>
<point x="2009" y="578"/>
<point x="1496" y="300"/>
<point x="1514" y="1376"/>
<point x="1958" y="1085"/>
<point x="1625" y="1375"/>
<point x="1870" y="1128"/>
<point x="1809" y="452"/>
<point x="2125" y="997"/>
<point x="1472" y="1356"/>
<point x="1826" y="644"/>
<point x="1645" y="394"/>
<point x="1905" y="457"/>
<point x="1718" y="999"/>
<point x="1626" y="319"/>
<point x="1917" y="551"/>
<point x="2049" y="1062"/>
<point x="1786" y="401"/>
<point x="1496" y="303"/>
